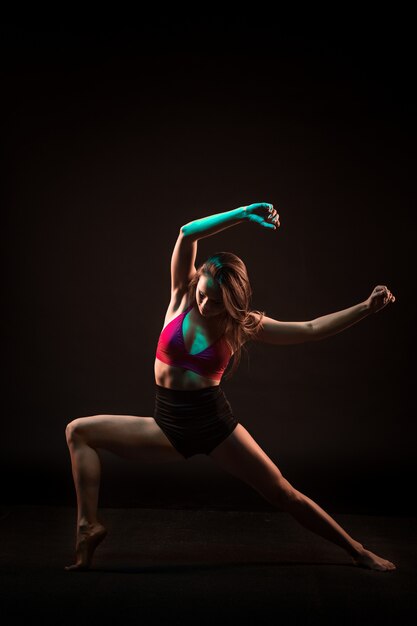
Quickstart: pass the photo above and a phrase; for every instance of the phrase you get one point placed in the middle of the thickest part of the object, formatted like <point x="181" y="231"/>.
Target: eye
<point x="214" y="301"/>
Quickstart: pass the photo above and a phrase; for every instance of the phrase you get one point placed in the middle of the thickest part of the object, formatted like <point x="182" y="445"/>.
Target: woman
<point x="208" y="320"/>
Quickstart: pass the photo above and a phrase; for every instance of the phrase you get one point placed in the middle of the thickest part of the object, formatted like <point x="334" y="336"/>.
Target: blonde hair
<point x="230" y="274"/>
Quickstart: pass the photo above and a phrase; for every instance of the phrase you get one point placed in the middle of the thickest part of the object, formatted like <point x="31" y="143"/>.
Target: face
<point x="209" y="297"/>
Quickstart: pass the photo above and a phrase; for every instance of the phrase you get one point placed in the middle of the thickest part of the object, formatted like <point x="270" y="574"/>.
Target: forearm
<point x="336" y="322"/>
<point x="206" y="226"/>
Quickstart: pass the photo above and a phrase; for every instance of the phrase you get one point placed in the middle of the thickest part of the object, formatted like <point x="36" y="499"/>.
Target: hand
<point x="262" y="213"/>
<point x="379" y="298"/>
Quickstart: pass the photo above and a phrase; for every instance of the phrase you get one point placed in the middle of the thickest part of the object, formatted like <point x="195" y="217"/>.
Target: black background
<point x="113" y="139"/>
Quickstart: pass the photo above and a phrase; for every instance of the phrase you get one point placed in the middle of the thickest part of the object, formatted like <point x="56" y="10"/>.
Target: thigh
<point x="240" y="455"/>
<point x="130" y="436"/>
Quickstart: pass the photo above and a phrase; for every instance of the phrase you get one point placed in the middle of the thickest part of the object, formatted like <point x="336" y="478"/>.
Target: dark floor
<point x="161" y="566"/>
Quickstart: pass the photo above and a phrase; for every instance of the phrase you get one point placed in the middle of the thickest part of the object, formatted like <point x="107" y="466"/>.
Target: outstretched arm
<point x="333" y="323"/>
<point x="283" y="333"/>
<point x="261" y="213"/>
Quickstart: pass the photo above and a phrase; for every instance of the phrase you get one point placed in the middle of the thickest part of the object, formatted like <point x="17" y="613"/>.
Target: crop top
<point x="171" y="349"/>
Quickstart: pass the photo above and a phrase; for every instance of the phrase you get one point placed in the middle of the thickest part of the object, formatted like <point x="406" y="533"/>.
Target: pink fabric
<point x="171" y="349"/>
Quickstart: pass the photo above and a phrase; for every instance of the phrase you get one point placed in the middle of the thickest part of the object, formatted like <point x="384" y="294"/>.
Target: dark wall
<point x="113" y="140"/>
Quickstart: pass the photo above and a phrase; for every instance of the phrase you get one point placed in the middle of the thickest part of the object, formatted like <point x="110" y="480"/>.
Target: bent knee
<point x="74" y="430"/>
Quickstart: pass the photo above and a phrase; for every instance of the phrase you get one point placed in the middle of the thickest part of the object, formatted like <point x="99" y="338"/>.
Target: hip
<point x="183" y="403"/>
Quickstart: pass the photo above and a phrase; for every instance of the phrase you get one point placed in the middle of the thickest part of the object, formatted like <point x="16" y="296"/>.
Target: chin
<point x="208" y="314"/>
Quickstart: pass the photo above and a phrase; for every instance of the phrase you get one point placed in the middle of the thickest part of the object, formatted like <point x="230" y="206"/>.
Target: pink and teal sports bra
<point x="210" y="363"/>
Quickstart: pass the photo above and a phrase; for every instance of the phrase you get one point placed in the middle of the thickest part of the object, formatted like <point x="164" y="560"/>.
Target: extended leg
<point x="242" y="456"/>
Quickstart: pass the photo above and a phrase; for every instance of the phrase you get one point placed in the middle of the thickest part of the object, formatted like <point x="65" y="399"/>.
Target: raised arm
<point x="281" y="333"/>
<point x="261" y="213"/>
<point x="185" y="249"/>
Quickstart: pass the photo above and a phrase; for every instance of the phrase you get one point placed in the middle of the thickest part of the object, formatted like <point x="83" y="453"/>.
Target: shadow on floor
<point x="202" y="567"/>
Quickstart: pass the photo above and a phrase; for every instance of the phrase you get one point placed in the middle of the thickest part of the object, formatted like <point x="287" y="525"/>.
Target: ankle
<point x="356" y="549"/>
<point x="83" y="524"/>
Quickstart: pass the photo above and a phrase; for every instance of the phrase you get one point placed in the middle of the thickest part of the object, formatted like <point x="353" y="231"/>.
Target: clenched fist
<point x="263" y="214"/>
<point x="379" y="298"/>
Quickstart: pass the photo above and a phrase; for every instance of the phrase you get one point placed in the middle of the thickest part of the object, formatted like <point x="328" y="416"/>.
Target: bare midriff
<point x="180" y="378"/>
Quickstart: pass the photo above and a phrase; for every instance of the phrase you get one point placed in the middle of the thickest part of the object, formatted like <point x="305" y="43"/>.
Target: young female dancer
<point x="208" y="320"/>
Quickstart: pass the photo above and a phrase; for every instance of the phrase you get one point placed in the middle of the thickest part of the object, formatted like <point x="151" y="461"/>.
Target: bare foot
<point x="370" y="560"/>
<point x="88" y="539"/>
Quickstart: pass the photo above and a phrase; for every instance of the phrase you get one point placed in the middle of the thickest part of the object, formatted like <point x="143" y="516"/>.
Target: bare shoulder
<point x="256" y="316"/>
<point x="257" y="323"/>
<point x="243" y="340"/>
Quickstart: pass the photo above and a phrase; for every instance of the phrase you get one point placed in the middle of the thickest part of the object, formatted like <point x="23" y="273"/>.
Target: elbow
<point x="188" y="231"/>
<point x="185" y="230"/>
<point x="312" y="331"/>
<point x="317" y="333"/>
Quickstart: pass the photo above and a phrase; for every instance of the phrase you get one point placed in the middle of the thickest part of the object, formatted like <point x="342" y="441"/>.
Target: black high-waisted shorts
<point x="195" y="421"/>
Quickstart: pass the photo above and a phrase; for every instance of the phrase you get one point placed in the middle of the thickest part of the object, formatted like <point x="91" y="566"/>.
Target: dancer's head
<point x="221" y="286"/>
